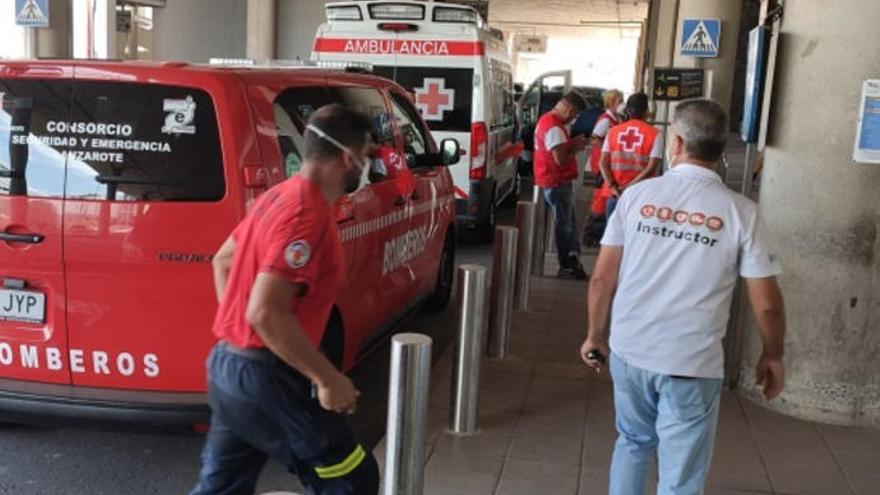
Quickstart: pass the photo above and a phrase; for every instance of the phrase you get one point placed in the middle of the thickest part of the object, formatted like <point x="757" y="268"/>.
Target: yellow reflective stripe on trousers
<point x="343" y="468"/>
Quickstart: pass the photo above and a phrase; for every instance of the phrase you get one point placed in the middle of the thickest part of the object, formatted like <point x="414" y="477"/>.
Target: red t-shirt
<point x="290" y="231"/>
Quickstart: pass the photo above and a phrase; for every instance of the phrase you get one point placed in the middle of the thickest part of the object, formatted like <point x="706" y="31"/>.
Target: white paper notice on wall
<point x="867" y="146"/>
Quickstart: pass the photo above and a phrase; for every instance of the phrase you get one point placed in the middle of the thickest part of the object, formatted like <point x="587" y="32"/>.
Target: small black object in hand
<point x="596" y="355"/>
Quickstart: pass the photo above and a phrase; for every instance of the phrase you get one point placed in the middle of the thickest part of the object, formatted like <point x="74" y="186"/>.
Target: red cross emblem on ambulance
<point x="433" y="99"/>
<point x="630" y="140"/>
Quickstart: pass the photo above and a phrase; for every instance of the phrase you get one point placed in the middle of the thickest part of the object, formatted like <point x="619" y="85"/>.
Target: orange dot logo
<point x="648" y="211"/>
<point x="714" y="223"/>
<point x="698" y="219"/>
<point x="680" y="216"/>
<point x="664" y="213"/>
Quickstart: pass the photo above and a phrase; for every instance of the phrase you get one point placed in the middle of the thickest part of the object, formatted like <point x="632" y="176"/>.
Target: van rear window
<point x="113" y="141"/>
<point x="443" y="96"/>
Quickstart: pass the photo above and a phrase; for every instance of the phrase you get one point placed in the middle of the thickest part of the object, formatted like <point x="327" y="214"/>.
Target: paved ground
<point x="548" y="425"/>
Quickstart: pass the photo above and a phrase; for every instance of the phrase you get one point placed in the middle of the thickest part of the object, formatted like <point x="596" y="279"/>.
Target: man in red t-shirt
<point x="555" y="163"/>
<point x="271" y="391"/>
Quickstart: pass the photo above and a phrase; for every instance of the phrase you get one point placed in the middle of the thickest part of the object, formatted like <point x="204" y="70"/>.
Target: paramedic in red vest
<point x="272" y="393"/>
<point x="631" y="151"/>
<point x="595" y="223"/>
<point x="556" y="170"/>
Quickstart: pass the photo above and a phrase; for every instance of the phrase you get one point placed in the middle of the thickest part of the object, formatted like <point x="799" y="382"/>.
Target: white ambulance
<point x="459" y="76"/>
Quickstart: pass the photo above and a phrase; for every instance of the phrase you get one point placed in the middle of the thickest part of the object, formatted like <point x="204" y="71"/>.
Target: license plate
<point x="22" y="305"/>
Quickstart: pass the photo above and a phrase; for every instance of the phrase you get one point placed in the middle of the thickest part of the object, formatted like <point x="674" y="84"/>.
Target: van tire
<point x="333" y="341"/>
<point x="445" y="276"/>
<point x="513" y="198"/>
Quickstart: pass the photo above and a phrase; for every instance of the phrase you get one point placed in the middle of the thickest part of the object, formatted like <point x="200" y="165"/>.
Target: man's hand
<point x="338" y="394"/>
<point x="770" y="376"/>
<point x="579" y="143"/>
<point x="593" y="345"/>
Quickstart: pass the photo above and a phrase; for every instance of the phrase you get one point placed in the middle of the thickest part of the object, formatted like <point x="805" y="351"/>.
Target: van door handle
<point x="23" y="238"/>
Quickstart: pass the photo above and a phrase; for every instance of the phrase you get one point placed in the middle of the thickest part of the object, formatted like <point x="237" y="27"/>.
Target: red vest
<point x="596" y="151"/>
<point x="548" y="173"/>
<point x="629" y="145"/>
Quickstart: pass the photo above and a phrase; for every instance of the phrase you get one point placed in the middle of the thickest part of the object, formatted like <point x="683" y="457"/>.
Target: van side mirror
<point x="450" y="151"/>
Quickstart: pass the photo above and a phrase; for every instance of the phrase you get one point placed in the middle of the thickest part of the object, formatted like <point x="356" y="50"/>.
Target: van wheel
<point x="445" y="276"/>
<point x="513" y="198"/>
<point x="333" y="341"/>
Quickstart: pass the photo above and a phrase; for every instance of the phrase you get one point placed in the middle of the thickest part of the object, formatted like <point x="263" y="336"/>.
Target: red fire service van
<point x="459" y="75"/>
<point x="118" y="181"/>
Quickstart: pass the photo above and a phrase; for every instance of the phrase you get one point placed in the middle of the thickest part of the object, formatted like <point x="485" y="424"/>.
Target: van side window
<point x="141" y="142"/>
<point x="414" y="142"/>
<point x="294" y="106"/>
<point x="32" y="159"/>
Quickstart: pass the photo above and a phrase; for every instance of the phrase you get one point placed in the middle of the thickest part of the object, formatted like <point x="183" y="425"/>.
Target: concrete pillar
<point x="724" y="65"/>
<point x="261" y="21"/>
<point x="823" y="211"/>
<point x="55" y="40"/>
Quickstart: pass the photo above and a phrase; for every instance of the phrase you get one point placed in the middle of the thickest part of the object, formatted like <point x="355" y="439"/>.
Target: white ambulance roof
<point x="435" y="25"/>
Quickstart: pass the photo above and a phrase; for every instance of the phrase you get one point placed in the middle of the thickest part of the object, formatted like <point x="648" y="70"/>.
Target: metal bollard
<point x="408" y="390"/>
<point x="503" y="281"/>
<point x="525" y="222"/>
<point x="540" y="232"/>
<point x="472" y="323"/>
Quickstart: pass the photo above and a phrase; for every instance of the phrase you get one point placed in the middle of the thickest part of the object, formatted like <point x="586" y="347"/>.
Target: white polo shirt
<point x="685" y="238"/>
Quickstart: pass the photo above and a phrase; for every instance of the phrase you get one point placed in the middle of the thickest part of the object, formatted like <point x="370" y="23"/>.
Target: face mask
<point x="352" y="178"/>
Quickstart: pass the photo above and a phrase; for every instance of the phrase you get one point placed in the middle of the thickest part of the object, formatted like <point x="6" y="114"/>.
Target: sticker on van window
<point x="181" y="114"/>
<point x="433" y="99"/>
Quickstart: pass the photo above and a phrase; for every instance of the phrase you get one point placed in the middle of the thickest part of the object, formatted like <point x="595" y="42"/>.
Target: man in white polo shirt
<point x="669" y="262"/>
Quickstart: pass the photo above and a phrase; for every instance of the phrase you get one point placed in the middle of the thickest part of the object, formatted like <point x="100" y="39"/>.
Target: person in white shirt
<point x="665" y="277"/>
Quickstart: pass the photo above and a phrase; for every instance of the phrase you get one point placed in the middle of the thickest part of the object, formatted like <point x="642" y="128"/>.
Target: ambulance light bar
<point x="397" y="11"/>
<point x="447" y="14"/>
<point x="348" y="13"/>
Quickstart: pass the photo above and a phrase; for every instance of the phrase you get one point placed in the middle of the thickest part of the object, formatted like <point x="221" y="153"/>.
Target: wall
<point x="196" y="30"/>
<point x="823" y="211"/>
<point x="297" y="22"/>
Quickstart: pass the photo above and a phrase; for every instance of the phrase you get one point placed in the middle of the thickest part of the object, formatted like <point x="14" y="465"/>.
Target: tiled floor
<point x="547" y="425"/>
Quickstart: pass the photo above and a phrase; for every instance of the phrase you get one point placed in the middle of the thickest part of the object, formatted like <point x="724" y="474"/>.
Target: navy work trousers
<point x="262" y="408"/>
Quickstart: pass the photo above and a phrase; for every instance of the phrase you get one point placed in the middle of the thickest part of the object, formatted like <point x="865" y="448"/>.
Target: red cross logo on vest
<point x="630" y="140"/>
<point x="433" y="99"/>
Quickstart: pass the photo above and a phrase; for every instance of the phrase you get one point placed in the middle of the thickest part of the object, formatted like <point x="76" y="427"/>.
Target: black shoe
<point x="566" y="274"/>
<point x="573" y="272"/>
<point x="579" y="272"/>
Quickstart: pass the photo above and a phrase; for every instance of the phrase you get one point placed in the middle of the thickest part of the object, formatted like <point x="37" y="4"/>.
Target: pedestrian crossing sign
<point x="700" y="37"/>
<point x="32" y="13"/>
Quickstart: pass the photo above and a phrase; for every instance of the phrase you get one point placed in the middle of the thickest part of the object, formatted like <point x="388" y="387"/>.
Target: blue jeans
<point x="676" y="416"/>
<point x="561" y="199"/>
<point x="262" y="408"/>
<point x="610" y="205"/>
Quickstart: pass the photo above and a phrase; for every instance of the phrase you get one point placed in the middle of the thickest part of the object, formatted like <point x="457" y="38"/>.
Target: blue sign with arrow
<point x="700" y="37"/>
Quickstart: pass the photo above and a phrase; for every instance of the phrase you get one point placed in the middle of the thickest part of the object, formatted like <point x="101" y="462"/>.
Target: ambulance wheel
<point x="445" y="276"/>
<point x="333" y="341"/>
<point x="486" y="230"/>
<point x="513" y="198"/>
